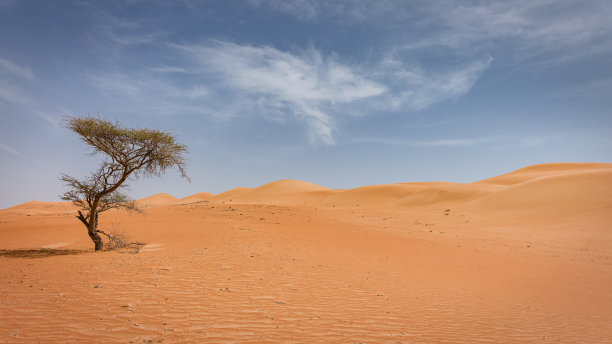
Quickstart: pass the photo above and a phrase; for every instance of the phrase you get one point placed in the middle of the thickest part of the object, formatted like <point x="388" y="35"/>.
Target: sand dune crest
<point x="199" y="197"/>
<point x="542" y="170"/>
<point x="156" y="200"/>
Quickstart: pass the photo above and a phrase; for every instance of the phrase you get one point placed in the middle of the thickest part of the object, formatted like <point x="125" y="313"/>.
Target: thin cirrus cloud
<point x="11" y="94"/>
<point x="17" y="153"/>
<point x="309" y="86"/>
<point x="153" y="92"/>
<point x="16" y="70"/>
<point x="11" y="75"/>
<point x="412" y="143"/>
<point x="350" y="10"/>
<point x="560" y="30"/>
<point x="316" y="89"/>
<point x="553" y="31"/>
<point x="225" y="80"/>
<point x="415" y="88"/>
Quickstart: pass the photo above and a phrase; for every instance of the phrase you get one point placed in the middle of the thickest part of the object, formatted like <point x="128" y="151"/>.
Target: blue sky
<point x="338" y="93"/>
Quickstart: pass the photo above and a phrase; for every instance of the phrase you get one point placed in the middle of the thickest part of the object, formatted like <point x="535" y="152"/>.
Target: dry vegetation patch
<point x="118" y="240"/>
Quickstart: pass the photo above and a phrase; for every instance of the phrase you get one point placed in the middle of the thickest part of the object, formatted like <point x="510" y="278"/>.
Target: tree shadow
<point x="39" y="253"/>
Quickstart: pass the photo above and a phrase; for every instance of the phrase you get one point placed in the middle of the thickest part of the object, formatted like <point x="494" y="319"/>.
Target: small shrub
<point x="116" y="239"/>
<point x="119" y="240"/>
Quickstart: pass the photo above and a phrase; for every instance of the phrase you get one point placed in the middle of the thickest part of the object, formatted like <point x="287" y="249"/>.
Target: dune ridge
<point x="583" y="185"/>
<point x="156" y="200"/>
<point x="516" y="188"/>
<point x="199" y="197"/>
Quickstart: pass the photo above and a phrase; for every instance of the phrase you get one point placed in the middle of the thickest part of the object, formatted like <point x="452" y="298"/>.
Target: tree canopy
<point x="126" y="153"/>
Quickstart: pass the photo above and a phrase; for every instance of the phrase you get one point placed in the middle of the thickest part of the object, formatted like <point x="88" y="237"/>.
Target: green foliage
<point x="139" y="151"/>
<point x="127" y="153"/>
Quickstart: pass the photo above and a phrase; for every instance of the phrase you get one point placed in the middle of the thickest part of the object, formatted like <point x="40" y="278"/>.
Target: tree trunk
<point x="92" y="230"/>
<point x="95" y="237"/>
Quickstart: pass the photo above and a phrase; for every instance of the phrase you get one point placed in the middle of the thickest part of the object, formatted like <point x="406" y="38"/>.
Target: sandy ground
<point x="520" y="258"/>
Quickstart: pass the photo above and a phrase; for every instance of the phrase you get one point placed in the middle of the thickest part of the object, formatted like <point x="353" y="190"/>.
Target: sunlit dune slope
<point x="449" y="193"/>
<point x="156" y="200"/>
<point x="284" y="192"/>
<point x="543" y="170"/>
<point x="230" y="194"/>
<point x="38" y="207"/>
<point x="371" y="196"/>
<point x="568" y="191"/>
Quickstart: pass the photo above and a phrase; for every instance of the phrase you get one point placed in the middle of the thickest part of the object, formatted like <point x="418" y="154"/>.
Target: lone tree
<point x="126" y="153"/>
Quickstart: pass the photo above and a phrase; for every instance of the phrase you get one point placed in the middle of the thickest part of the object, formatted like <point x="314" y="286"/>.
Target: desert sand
<point x="525" y="257"/>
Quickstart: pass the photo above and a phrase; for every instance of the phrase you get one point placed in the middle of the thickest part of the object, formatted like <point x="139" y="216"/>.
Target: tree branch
<point x="82" y="218"/>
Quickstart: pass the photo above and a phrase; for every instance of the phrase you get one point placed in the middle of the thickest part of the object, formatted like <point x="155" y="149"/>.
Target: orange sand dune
<point x="444" y="194"/>
<point x="543" y="170"/>
<point x="156" y="200"/>
<point x="493" y="192"/>
<point x="199" y="197"/>
<point x="228" y="195"/>
<point x="280" y="192"/>
<point x="38" y="207"/>
<point x="372" y="196"/>
<point x="525" y="257"/>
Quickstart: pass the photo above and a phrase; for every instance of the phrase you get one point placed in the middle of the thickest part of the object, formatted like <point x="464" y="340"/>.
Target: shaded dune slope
<point x="199" y="197"/>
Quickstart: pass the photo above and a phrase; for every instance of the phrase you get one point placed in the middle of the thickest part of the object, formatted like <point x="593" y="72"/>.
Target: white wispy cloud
<point x="416" y="88"/>
<point x="560" y="29"/>
<point x="306" y="85"/>
<point x="146" y="92"/>
<point x="317" y="88"/>
<point x="12" y="94"/>
<point x="122" y="31"/>
<point x="348" y="10"/>
<point x="11" y="150"/>
<point x="489" y="141"/>
<point x="15" y="152"/>
<point x="167" y="69"/>
<point x="224" y="80"/>
<point x="17" y="70"/>
<point x="12" y="90"/>
<point x="530" y="28"/>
